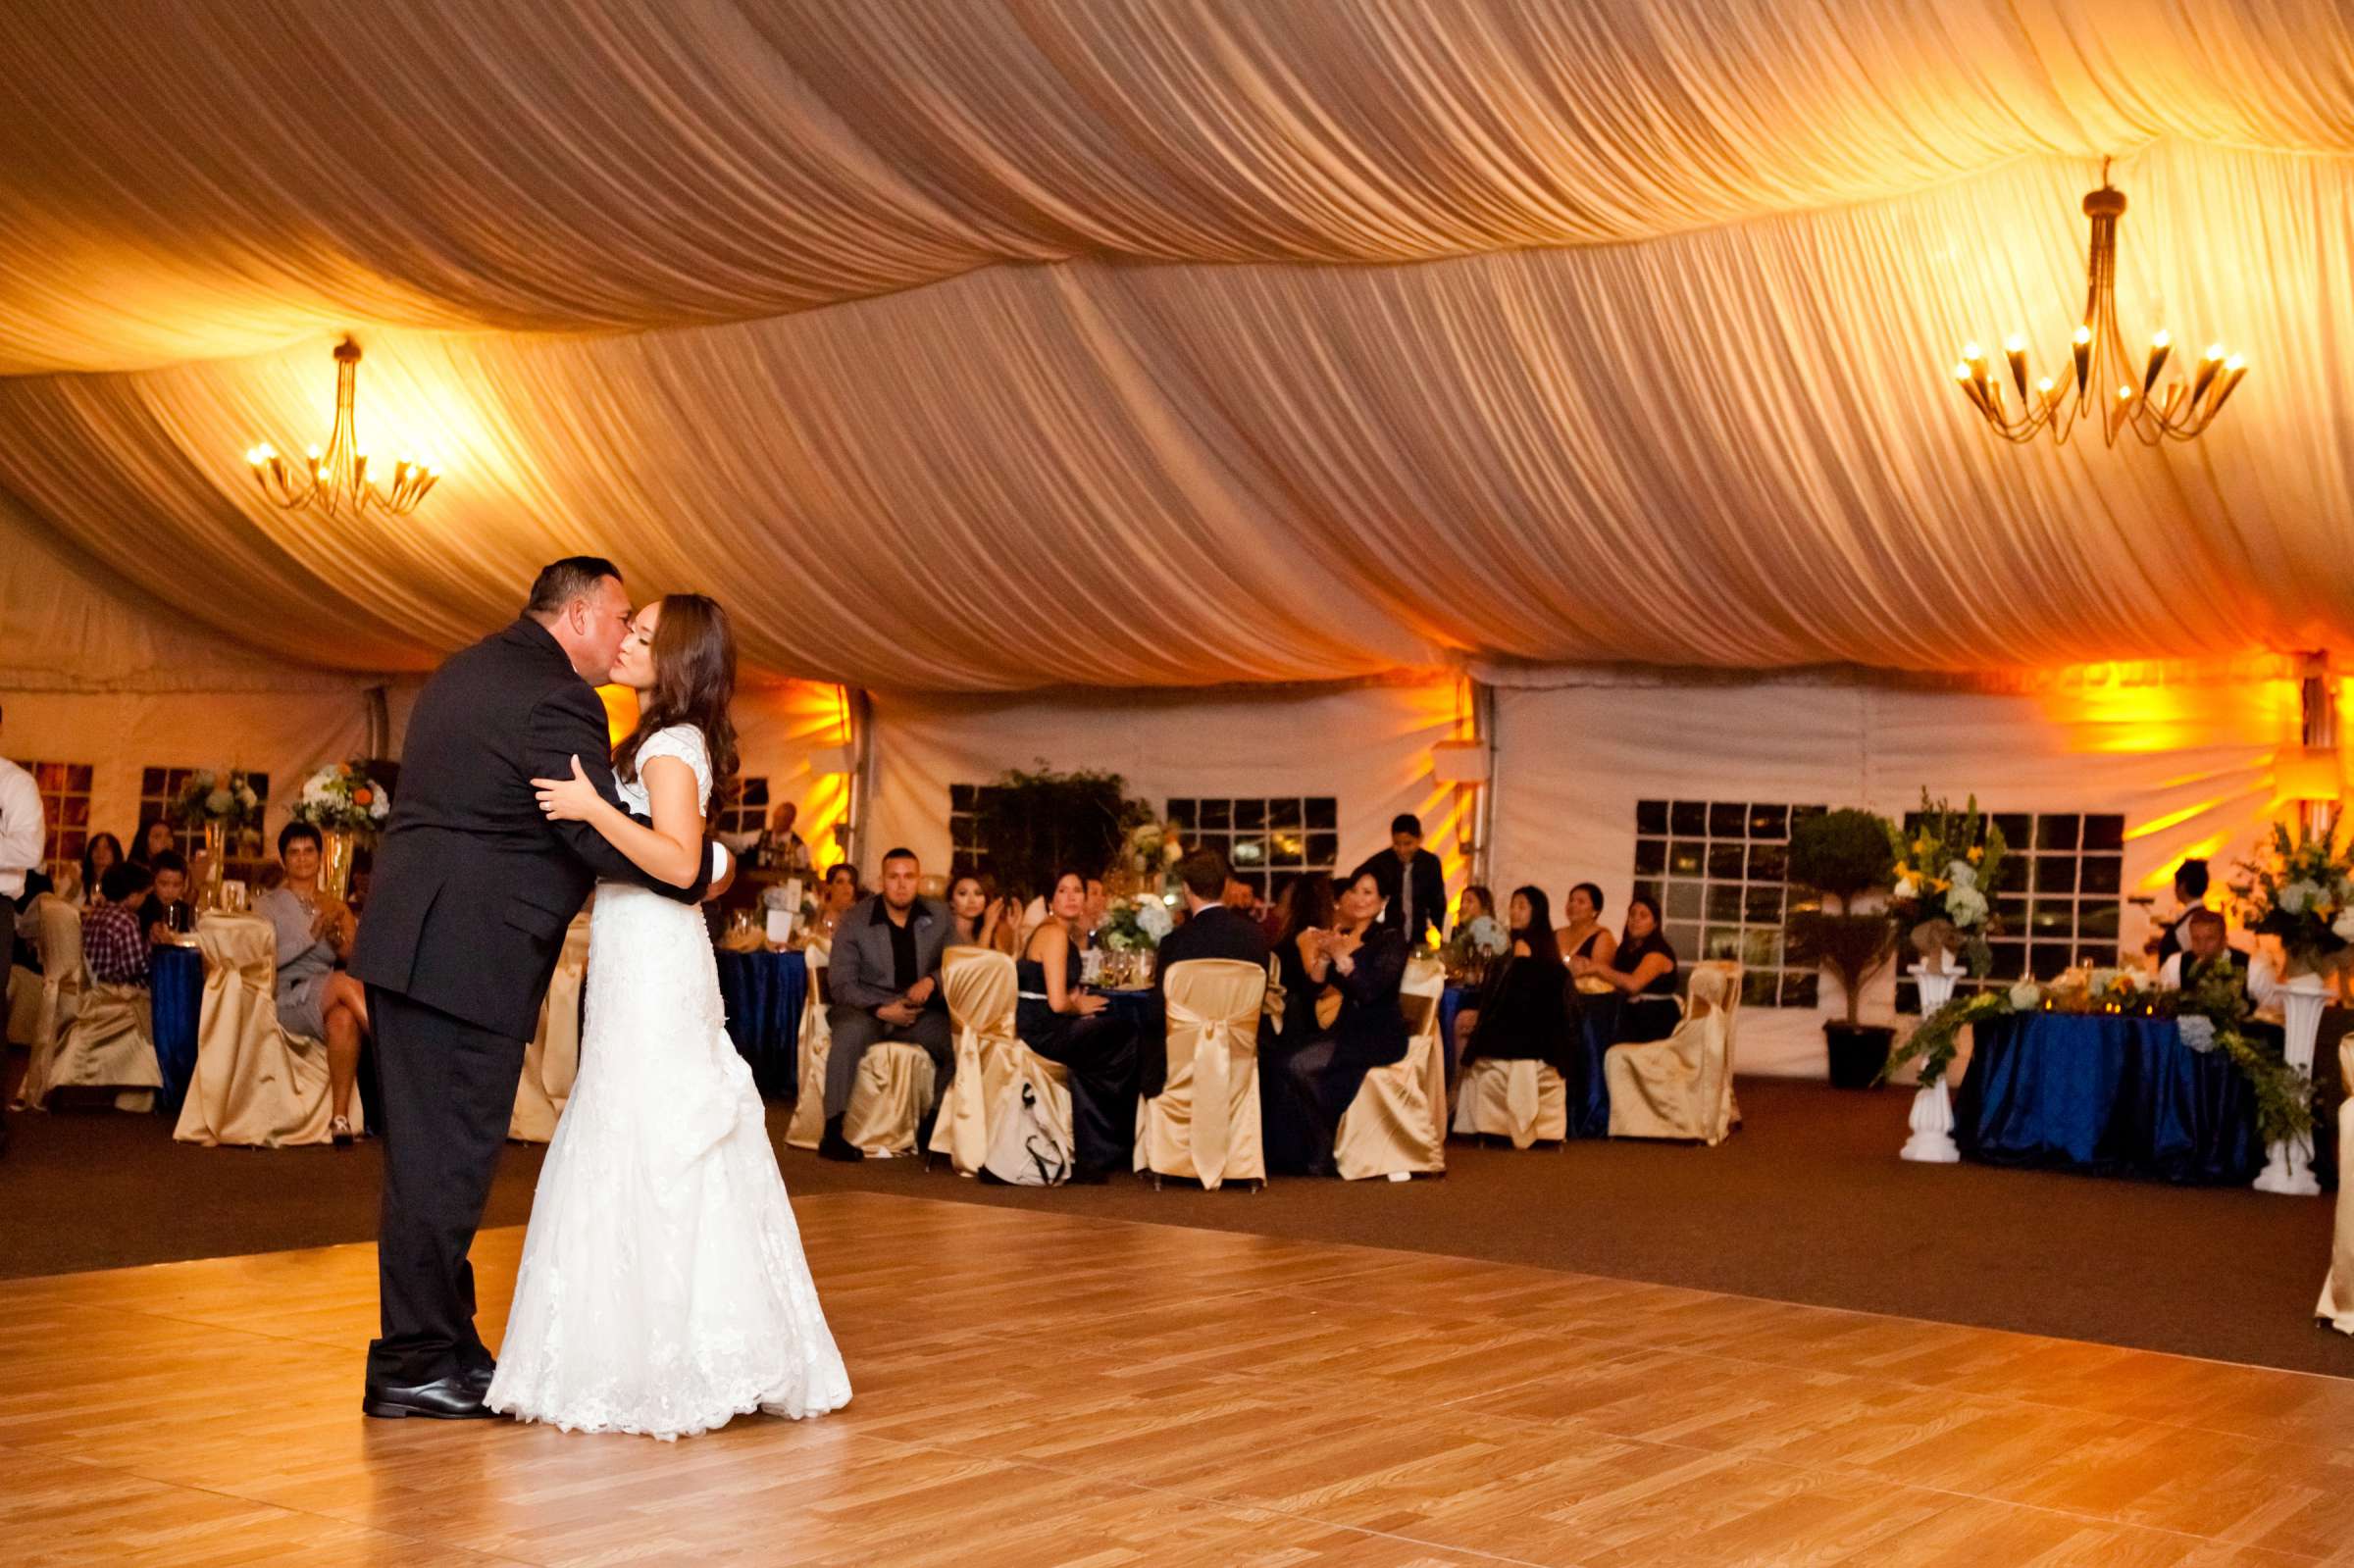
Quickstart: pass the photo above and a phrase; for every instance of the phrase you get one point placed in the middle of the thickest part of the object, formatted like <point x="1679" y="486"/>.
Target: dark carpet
<point x="1807" y="1203"/>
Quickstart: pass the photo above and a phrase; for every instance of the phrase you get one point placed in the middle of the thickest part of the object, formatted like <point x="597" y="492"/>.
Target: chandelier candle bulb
<point x="2159" y="346"/>
<point x="2083" y="353"/>
<point x="2014" y="349"/>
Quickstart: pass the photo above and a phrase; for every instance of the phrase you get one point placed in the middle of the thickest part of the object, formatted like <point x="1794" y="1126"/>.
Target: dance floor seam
<point x="1035" y="1389"/>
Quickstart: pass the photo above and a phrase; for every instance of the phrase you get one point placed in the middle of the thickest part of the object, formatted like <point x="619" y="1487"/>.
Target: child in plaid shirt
<point x="113" y="942"/>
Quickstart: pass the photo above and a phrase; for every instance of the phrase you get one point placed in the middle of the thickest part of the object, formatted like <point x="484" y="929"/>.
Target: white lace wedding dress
<point x="663" y="1289"/>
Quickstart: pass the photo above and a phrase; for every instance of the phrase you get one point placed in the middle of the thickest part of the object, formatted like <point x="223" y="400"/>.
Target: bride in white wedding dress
<point x="663" y="1289"/>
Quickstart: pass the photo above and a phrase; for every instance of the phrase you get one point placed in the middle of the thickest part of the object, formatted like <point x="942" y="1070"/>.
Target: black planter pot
<point x="1858" y="1051"/>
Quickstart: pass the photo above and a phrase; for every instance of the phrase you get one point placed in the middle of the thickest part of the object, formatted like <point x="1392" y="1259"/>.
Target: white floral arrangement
<point x="342" y="797"/>
<point x="1137" y="925"/>
<point x="209" y="797"/>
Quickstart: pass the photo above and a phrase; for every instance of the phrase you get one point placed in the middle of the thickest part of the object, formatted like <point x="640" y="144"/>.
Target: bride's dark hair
<point x="695" y="683"/>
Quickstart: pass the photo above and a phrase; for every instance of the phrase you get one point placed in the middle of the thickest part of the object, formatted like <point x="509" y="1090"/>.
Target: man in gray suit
<point x="883" y="980"/>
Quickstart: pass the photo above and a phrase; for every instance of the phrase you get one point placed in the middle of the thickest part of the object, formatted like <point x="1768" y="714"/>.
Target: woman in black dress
<point x="1523" y="1012"/>
<point x="1062" y="1021"/>
<point x="1643" y="970"/>
<point x="1582" y="934"/>
<point x="1365" y="963"/>
<point x="1287" y="1122"/>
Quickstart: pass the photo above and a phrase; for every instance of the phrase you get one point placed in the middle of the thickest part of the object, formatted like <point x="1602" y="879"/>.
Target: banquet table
<point x="2108" y="1096"/>
<point x="763" y="995"/>
<point x="176" y="980"/>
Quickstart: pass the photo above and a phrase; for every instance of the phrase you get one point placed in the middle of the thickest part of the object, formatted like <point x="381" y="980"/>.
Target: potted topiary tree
<point x="1841" y="857"/>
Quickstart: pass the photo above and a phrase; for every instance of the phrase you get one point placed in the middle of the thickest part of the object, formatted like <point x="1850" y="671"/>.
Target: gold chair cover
<point x="552" y="1060"/>
<point x="109" y="1044"/>
<point x="51" y="999"/>
<point x="982" y="994"/>
<point x="2337" y="1306"/>
<point x="1398" y="1121"/>
<point x="1204" y="1123"/>
<point x="1522" y="1099"/>
<point x="889" y="1099"/>
<point x="1680" y="1086"/>
<point x="808" y="1122"/>
<point x="254" y="1082"/>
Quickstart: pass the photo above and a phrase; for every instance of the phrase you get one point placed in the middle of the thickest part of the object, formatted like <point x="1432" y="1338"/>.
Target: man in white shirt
<point x="2204" y="947"/>
<point x="23" y="833"/>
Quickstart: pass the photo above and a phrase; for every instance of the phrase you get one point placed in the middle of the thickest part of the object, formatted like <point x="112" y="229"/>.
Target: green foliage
<point x="1852" y="947"/>
<point x="1935" y="1043"/>
<point x="1032" y="825"/>
<point x="1843" y="854"/>
<point x="1946" y="874"/>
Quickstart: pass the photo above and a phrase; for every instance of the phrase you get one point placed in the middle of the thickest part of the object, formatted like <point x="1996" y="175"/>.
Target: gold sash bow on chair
<point x="1396" y="1126"/>
<point x="808" y="1122"/>
<point x="982" y="992"/>
<point x="1204" y="1121"/>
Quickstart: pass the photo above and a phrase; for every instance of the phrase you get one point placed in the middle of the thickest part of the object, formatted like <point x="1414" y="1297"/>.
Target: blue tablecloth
<point x="175" y="976"/>
<point x="2106" y="1094"/>
<point x="763" y="993"/>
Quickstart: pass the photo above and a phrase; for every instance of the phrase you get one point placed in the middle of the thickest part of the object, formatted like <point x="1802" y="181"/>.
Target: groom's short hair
<point x="560" y="582"/>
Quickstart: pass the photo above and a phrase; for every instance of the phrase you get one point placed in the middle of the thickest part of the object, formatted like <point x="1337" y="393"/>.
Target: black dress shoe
<point x="457" y="1398"/>
<point x="479" y="1375"/>
<point x="834" y="1147"/>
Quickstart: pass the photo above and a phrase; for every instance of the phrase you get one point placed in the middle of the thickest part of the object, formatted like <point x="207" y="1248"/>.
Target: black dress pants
<point x="449" y="1090"/>
<point x="1100" y="1053"/>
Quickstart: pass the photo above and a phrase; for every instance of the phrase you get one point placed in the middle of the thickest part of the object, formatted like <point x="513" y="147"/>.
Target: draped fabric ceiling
<point x="1000" y="343"/>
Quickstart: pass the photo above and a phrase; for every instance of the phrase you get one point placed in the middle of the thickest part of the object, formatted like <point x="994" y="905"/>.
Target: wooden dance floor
<point x="1034" y="1389"/>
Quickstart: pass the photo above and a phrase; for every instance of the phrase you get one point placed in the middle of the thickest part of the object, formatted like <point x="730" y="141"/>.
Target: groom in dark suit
<point x="472" y="890"/>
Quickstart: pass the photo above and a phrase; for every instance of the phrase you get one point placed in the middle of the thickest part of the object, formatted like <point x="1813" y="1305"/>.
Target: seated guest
<point x="1364" y="961"/>
<point x="2190" y="889"/>
<point x="981" y="916"/>
<point x="101" y="854"/>
<point x="1096" y="906"/>
<point x="315" y="998"/>
<point x="2205" y="955"/>
<point x="154" y="838"/>
<point x="884" y="980"/>
<point x="1523" y="1010"/>
<point x="1241" y="897"/>
<point x="1584" y="937"/>
<point x="166" y="909"/>
<point x="1064" y="1022"/>
<point x="1303" y="970"/>
<point x="1213" y="928"/>
<point x="1477" y="903"/>
<point x="114" y="944"/>
<point x="1643" y="970"/>
<point x="1412" y="882"/>
<point x="840" y="893"/>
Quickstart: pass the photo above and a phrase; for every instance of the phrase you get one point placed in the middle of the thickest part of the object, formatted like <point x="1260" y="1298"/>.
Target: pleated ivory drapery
<point x="1730" y="444"/>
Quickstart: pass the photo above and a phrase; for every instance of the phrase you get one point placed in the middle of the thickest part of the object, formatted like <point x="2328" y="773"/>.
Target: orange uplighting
<point x="621" y="711"/>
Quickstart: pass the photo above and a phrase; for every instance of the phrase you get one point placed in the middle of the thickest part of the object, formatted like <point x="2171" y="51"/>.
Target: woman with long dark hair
<point x="1524" y="1012"/>
<point x="663" y="1289"/>
<point x="1365" y="963"/>
<point x="1064" y="1022"/>
<point x="1643" y="970"/>
<point x="1582" y="933"/>
<point x="104" y="850"/>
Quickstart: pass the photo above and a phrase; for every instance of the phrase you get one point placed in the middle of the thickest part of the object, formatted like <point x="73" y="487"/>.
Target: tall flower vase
<point x="334" y="862"/>
<point x="1932" y="1118"/>
<point x="216" y="863"/>
<point x="2289" y="1169"/>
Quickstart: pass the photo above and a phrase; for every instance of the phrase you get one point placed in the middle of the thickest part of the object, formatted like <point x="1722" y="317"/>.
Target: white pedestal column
<point x="1932" y="1118"/>
<point x="2289" y="1170"/>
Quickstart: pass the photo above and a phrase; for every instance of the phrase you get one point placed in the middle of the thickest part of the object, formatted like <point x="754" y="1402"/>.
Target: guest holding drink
<point x="315" y="998"/>
<point x="167" y="912"/>
<point x="1643" y="971"/>
<point x="100" y="855"/>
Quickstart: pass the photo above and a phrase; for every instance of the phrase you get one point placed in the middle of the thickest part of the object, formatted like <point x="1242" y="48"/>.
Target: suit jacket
<point x="1430" y="891"/>
<point x="473" y="886"/>
<point x="1215" y="933"/>
<point x="860" y="972"/>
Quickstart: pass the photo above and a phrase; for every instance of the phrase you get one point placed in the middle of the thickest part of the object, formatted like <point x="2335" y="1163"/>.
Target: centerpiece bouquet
<point x="1944" y="872"/>
<point x="1473" y="946"/>
<point x="1131" y="929"/>
<point x="2301" y="889"/>
<point x="211" y="800"/>
<point x="341" y="797"/>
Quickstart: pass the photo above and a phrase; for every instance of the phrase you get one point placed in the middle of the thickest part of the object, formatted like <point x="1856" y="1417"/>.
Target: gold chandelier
<point x="2181" y="412"/>
<point x="338" y="476"/>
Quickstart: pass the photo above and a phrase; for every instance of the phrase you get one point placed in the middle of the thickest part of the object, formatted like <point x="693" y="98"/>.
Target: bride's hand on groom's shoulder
<point x="568" y="800"/>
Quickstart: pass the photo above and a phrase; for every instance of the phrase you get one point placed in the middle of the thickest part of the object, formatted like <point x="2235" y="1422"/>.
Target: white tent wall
<point x="1368" y="747"/>
<point x="2185" y="755"/>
